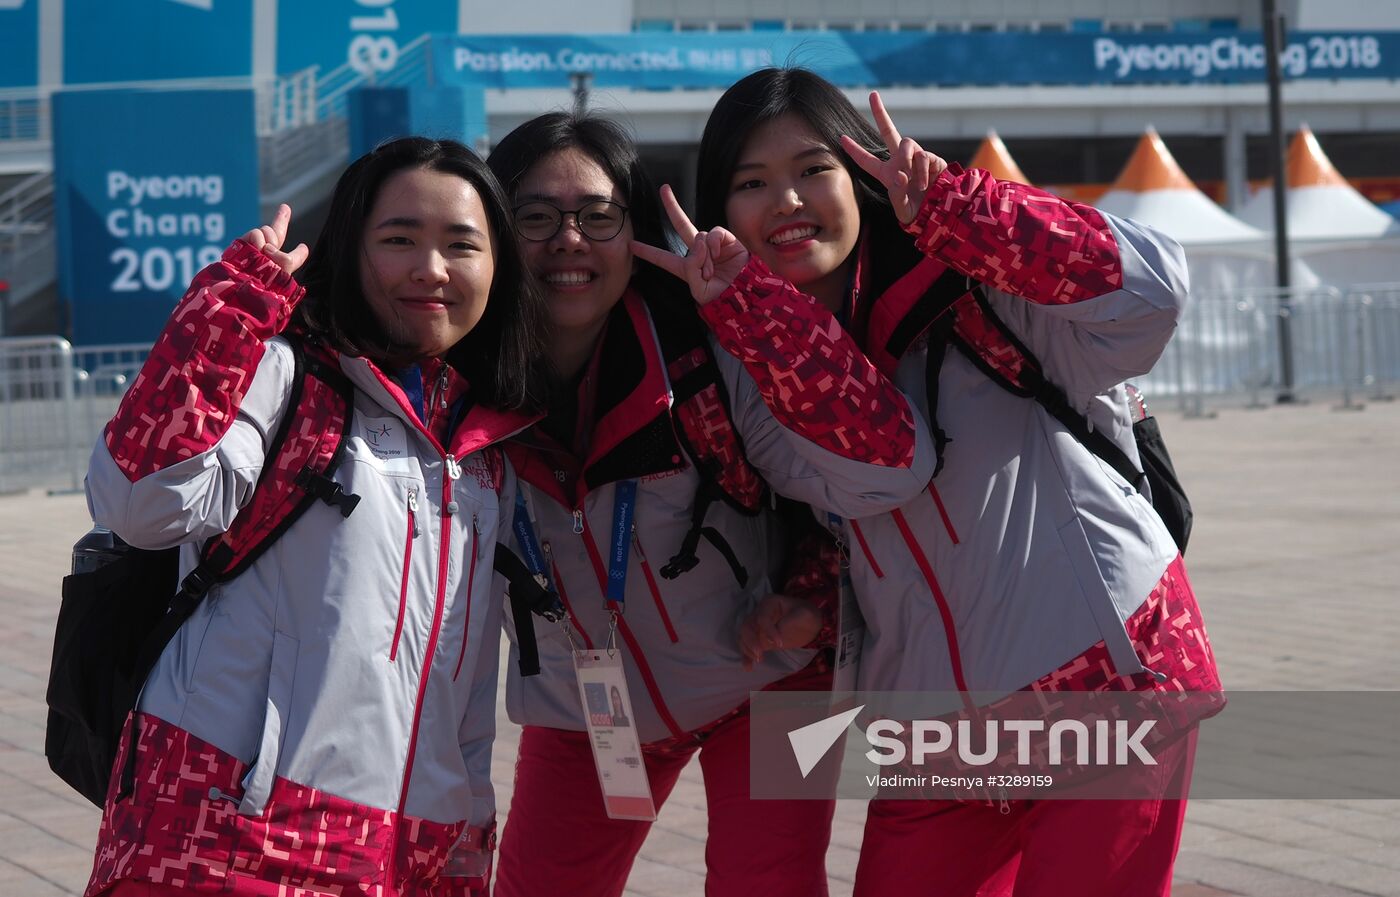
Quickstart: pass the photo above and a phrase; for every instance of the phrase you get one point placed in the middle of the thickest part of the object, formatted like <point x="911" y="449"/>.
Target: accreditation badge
<point x="612" y="733"/>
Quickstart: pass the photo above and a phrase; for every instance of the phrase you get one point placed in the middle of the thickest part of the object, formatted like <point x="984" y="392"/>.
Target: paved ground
<point x="1294" y="557"/>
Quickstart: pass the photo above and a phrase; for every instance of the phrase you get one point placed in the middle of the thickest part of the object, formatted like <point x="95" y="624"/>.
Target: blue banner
<point x="150" y="186"/>
<point x="19" y="43"/>
<point x="368" y="34"/>
<point x="148" y="40"/>
<point x="663" y="60"/>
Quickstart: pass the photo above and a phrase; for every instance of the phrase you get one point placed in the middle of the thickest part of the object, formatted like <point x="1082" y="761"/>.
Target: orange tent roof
<point x="994" y="157"/>
<point x="1151" y="167"/>
<point x="1308" y="165"/>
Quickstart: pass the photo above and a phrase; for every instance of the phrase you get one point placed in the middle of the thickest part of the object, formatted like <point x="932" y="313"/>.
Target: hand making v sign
<point x="909" y="169"/>
<point x="715" y="258"/>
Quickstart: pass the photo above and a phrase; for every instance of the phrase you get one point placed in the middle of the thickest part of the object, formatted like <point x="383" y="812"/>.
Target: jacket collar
<point x="479" y="428"/>
<point x="632" y="432"/>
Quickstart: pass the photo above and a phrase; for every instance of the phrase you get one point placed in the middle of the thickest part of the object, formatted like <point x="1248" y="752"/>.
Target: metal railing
<point x="1345" y="340"/>
<point x="27" y="236"/>
<point x="54" y="400"/>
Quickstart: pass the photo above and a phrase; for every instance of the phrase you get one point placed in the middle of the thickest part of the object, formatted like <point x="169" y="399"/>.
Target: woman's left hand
<point x="779" y="621"/>
<point x="908" y="171"/>
<point x="715" y="258"/>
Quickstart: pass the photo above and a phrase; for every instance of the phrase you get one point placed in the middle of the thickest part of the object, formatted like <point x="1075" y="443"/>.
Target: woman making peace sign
<point x="1027" y="562"/>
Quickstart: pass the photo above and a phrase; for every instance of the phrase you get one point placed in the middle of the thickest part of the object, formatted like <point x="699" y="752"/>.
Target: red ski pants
<point x="558" y="840"/>
<point x="1048" y="848"/>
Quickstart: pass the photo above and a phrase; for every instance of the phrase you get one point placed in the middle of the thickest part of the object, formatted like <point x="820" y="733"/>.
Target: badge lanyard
<point x="850" y="623"/>
<point x="602" y="686"/>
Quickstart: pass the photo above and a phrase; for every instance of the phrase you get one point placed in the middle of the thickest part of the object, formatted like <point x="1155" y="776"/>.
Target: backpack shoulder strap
<point x="304" y="453"/>
<point x="991" y="346"/>
<point x="706" y="431"/>
<point x="701" y="411"/>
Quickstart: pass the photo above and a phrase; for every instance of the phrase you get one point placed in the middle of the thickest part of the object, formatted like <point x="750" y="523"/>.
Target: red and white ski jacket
<point x="1026" y="550"/>
<point x="323" y="722"/>
<point x="817" y="421"/>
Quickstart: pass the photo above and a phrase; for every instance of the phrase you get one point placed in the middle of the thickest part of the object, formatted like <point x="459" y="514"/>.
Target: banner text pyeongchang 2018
<point x="866" y="58"/>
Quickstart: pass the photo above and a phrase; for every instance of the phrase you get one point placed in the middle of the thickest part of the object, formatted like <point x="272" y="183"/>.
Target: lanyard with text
<point x="850" y="623"/>
<point x="529" y="544"/>
<point x="624" y="510"/>
<point x="602" y="685"/>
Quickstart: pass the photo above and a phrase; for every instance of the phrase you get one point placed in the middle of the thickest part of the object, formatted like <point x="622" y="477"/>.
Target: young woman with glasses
<point x="622" y="421"/>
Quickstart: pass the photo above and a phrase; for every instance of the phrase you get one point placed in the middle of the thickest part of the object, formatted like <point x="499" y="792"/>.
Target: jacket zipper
<point x="865" y="549"/>
<point x="944" y="611"/>
<point x="445" y="546"/>
<point x="563" y="594"/>
<point x="407" y="559"/>
<point x="471" y="578"/>
<point x="653" y="690"/>
<point x="651" y="584"/>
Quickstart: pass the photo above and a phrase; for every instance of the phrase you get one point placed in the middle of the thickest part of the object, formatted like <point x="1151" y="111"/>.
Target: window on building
<point x="654" y="25"/>
<point x="731" y="26"/>
<point x="1086" y="26"/>
<point x="1223" y="24"/>
<point x="1052" y="27"/>
<point x="769" y="25"/>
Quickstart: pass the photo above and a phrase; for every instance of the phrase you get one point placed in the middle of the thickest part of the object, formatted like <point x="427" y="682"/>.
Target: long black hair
<point x="769" y="94"/>
<point x="609" y="145"/>
<point x="502" y="356"/>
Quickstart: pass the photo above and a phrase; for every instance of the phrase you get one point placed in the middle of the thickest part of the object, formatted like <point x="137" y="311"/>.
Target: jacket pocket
<point x="192" y="637"/>
<point x="471" y="581"/>
<point x="411" y="534"/>
<point x="281" y="677"/>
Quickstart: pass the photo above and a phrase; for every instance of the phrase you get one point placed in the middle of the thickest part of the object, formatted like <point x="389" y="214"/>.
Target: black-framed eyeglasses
<point x="598" y="221"/>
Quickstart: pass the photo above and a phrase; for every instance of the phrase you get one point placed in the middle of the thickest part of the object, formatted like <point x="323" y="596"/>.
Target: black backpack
<point x="122" y="605"/>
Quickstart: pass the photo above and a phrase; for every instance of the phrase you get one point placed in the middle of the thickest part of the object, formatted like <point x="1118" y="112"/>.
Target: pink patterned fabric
<point x="990" y="342"/>
<point x="1018" y="239"/>
<point x="707" y="426"/>
<point x="317" y="424"/>
<point x="1170" y="638"/>
<point x="814" y="377"/>
<point x="814" y="574"/>
<point x="181" y="828"/>
<point x="213" y="342"/>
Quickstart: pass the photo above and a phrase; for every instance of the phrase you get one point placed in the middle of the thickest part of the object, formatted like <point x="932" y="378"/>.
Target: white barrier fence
<point x="55" y="398"/>
<point x="1227" y="345"/>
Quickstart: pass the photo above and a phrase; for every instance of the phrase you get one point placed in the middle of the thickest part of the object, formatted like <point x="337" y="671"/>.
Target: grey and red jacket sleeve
<point x="1095" y="297"/>
<point x="818" y="420"/>
<point x="187" y="444"/>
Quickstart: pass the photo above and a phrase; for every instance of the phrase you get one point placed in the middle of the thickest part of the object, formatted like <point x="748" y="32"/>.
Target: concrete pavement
<point x="1294" y="558"/>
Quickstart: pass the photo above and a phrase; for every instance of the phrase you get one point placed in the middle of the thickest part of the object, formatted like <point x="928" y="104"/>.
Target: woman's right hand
<point x="269" y="238"/>
<point x="715" y="258"/>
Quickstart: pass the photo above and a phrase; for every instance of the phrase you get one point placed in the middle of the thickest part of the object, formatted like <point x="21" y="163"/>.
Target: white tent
<point x="1223" y="253"/>
<point x="1341" y="236"/>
